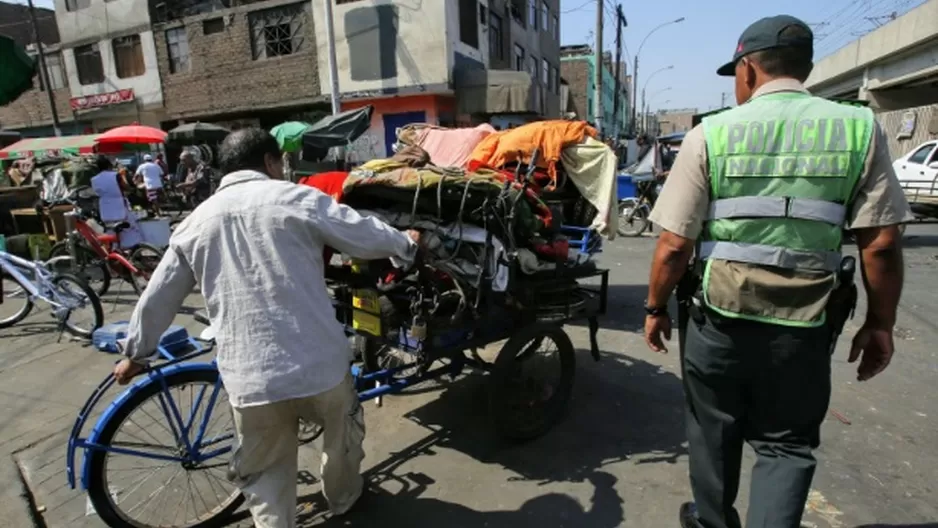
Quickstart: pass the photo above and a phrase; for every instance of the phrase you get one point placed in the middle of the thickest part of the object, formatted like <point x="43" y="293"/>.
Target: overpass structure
<point x="892" y="68"/>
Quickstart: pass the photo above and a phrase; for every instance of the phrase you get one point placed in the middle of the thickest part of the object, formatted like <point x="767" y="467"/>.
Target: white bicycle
<point x="23" y="282"/>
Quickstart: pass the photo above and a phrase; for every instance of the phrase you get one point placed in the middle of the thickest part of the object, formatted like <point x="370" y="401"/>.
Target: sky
<point x="707" y="38"/>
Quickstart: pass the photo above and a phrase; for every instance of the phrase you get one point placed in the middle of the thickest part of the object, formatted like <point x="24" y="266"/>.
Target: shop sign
<point x="99" y="100"/>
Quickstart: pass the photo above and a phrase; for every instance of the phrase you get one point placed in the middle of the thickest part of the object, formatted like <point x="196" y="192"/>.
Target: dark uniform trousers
<point x="764" y="384"/>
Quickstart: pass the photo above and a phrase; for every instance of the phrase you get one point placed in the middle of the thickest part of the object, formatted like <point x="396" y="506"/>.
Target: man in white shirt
<point x="152" y="175"/>
<point x="255" y="248"/>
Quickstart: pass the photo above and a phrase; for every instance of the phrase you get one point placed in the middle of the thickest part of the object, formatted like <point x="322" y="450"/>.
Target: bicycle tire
<point x="98" y="492"/>
<point x="22" y="314"/>
<point x="92" y="298"/>
<point x="146" y="269"/>
<point x="85" y="258"/>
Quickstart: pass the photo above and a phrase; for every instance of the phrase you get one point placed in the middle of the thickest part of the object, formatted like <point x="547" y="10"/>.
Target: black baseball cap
<point x="766" y="34"/>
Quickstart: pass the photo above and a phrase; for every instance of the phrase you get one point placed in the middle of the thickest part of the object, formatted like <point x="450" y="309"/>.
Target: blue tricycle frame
<point x="451" y="344"/>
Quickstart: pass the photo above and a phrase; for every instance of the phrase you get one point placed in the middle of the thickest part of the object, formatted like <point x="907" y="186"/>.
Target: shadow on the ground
<point x="622" y="409"/>
<point x="406" y="508"/>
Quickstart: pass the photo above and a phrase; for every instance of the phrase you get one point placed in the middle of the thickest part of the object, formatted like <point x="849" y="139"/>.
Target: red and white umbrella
<point x="136" y="134"/>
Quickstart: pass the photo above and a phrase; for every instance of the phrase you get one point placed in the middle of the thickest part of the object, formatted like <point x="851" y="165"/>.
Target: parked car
<point x="917" y="171"/>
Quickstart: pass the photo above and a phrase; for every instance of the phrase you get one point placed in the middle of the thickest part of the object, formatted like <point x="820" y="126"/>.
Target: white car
<point x="918" y="170"/>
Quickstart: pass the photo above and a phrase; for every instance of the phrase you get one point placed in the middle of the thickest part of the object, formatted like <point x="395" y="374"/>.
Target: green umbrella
<point x="18" y="70"/>
<point x="290" y="135"/>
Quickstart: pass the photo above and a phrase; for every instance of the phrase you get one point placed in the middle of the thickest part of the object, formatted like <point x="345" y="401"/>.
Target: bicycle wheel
<point x="84" y="264"/>
<point x="633" y="218"/>
<point x="75" y="293"/>
<point x="145" y="257"/>
<point x="136" y="425"/>
<point x="12" y="292"/>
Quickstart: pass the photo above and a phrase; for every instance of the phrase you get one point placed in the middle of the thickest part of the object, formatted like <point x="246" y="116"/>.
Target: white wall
<point x="421" y="55"/>
<point x="100" y="18"/>
<point x="146" y="87"/>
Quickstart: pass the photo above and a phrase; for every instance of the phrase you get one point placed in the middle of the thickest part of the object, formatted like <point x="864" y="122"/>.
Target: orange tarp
<point x="517" y="144"/>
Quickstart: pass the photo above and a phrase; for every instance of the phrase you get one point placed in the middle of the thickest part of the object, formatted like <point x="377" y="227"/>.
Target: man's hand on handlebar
<point x="414" y="235"/>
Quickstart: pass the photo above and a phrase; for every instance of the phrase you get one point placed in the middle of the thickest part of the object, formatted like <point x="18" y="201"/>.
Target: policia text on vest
<point x="805" y="148"/>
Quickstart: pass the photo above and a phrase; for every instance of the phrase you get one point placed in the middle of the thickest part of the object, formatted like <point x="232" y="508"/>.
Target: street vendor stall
<point x="50" y="147"/>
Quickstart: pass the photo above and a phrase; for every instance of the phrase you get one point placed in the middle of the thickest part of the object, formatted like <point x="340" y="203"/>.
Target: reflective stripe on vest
<point x="771" y="256"/>
<point x="778" y="207"/>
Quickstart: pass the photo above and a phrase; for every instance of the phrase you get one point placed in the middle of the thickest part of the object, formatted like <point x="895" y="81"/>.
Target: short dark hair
<point x="789" y="61"/>
<point x="246" y="149"/>
<point x="102" y="163"/>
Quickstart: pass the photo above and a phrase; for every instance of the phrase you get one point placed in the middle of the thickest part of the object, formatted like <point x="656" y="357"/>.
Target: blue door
<point x="394" y="121"/>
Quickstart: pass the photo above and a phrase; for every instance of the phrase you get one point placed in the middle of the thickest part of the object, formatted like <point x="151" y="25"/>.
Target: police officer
<point x="761" y="193"/>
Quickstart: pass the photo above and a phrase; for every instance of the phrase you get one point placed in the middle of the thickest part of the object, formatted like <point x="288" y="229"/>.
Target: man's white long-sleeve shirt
<point x="256" y="249"/>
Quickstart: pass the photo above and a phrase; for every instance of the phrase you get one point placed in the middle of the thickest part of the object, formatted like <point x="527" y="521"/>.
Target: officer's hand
<point x="655" y="326"/>
<point x="876" y="346"/>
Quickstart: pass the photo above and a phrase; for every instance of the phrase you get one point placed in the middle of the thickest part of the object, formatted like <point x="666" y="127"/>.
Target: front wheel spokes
<point x="155" y="493"/>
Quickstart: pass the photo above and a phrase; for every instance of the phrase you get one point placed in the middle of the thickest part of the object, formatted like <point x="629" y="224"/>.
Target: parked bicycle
<point x="175" y="415"/>
<point x="25" y="281"/>
<point x="99" y="257"/>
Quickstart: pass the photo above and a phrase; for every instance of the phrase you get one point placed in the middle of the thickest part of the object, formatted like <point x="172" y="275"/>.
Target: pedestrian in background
<point x="762" y="192"/>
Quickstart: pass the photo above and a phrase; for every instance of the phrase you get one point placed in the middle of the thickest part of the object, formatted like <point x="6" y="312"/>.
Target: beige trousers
<point x="264" y="464"/>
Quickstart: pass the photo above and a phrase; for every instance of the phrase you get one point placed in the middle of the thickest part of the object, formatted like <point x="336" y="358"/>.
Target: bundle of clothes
<point x="488" y="201"/>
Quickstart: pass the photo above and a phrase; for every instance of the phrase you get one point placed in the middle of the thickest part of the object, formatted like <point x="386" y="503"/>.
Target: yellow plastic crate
<point x="366" y="322"/>
<point x="366" y="300"/>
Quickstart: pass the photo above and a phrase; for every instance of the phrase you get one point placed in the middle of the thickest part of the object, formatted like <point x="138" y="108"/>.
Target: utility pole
<point x="723" y="100"/>
<point x="620" y="23"/>
<point x="598" y="70"/>
<point x="333" y="69"/>
<point x="45" y="71"/>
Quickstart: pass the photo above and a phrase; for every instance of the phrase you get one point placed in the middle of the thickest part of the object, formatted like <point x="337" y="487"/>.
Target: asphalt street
<point x="618" y="458"/>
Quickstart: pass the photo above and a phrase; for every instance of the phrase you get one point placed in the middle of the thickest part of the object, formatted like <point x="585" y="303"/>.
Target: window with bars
<point x="128" y="56"/>
<point x="533" y="68"/>
<point x="545" y="72"/>
<point x="545" y="16"/>
<point x="279" y="30"/>
<point x="88" y="63"/>
<point x="177" y="47"/>
<point x="519" y="58"/>
<point x="555" y="29"/>
<point x="532" y="13"/>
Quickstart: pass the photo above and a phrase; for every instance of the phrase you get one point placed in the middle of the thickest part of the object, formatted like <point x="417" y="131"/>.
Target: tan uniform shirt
<point x="684" y="201"/>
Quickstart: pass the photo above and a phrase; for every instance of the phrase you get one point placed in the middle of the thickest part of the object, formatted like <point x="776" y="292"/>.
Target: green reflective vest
<point x="783" y="170"/>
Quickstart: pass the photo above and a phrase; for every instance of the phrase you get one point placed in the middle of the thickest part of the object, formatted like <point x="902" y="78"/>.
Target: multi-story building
<point x="110" y="62"/>
<point x="267" y="61"/>
<point x="30" y="114"/>
<point x="672" y="121"/>
<point x="577" y="65"/>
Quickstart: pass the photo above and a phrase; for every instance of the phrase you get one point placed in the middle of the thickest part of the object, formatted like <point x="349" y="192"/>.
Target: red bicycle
<point x="98" y="257"/>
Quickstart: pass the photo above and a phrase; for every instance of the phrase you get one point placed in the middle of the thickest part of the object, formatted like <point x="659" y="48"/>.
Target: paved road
<point x="618" y="459"/>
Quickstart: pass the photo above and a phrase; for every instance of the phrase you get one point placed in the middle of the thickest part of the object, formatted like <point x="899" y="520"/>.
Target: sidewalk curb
<point x="14" y="497"/>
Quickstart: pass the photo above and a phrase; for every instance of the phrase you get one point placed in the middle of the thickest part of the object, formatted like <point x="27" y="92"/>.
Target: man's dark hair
<point x="245" y="149"/>
<point x="790" y="61"/>
<point x="102" y="163"/>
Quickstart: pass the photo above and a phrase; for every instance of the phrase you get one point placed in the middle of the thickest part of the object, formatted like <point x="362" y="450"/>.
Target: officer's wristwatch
<point x="656" y="311"/>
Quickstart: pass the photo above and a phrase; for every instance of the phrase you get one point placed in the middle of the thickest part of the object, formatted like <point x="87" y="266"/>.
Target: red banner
<point x="98" y="100"/>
